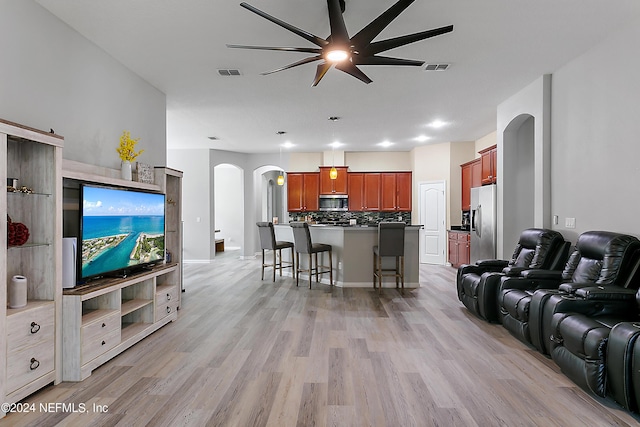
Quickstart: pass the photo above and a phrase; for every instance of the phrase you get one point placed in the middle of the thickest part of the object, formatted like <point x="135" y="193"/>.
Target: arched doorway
<point x="270" y="197"/>
<point x="228" y="191"/>
<point x="518" y="179"/>
<point x="273" y="197"/>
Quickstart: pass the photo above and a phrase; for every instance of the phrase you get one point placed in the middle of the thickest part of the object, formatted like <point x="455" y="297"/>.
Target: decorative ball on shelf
<point x="17" y="233"/>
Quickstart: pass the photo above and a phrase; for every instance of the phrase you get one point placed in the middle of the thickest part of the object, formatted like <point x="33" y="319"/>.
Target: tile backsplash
<point x="362" y="218"/>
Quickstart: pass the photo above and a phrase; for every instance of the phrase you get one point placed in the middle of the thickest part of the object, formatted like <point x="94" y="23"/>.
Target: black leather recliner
<point x="600" y="258"/>
<point x="478" y="284"/>
<point x="623" y="365"/>
<point x="581" y="329"/>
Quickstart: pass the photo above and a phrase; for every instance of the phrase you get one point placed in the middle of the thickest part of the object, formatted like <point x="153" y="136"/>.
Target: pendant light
<point x="333" y="172"/>
<point x="280" y="180"/>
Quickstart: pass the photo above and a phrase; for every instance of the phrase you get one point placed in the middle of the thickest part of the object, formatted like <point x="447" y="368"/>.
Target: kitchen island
<point x="353" y="254"/>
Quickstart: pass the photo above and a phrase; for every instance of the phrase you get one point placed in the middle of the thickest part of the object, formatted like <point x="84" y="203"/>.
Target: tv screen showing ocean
<point x="116" y="242"/>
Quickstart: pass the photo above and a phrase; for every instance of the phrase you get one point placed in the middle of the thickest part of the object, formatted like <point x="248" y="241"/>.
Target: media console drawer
<point x="100" y="335"/>
<point x="166" y="301"/>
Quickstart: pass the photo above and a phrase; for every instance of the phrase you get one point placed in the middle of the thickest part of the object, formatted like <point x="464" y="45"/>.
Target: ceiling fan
<point x="344" y="51"/>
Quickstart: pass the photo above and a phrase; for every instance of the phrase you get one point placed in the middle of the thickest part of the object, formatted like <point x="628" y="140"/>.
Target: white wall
<point x="375" y="161"/>
<point x="532" y="101"/>
<point x="51" y="77"/>
<point x="596" y="137"/>
<point x="485" y="142"/>
<point x="431" y="163"/>
<point x="196" y="202"/>
<point x="305" y="162"/>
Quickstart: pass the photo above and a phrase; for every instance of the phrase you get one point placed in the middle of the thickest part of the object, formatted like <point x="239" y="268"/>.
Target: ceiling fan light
<point x="337" y="55"/>
<point x="333" y="173"/>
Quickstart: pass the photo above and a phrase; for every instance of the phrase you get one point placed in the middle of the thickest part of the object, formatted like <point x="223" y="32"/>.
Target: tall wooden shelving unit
<point x="170" y="182"/>
<point x="102" y="319"/>
<point x="31" y="338"/>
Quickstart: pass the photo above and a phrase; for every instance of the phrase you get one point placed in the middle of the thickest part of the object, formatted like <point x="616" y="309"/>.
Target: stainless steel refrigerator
<point x="483" y="223"/>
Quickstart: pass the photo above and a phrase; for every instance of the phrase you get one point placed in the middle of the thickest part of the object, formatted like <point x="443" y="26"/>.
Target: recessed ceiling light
<point x="422" y="138"/>
<point x="385" y="144"/>
<point x="213" y="138"/>
<point x="436" y="124"/>
<point x="288" y="144"/>
<point x="336" y="144"/>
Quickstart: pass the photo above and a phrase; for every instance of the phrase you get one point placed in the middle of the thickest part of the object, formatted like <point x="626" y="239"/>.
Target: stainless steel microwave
<point x="334" y="202"/>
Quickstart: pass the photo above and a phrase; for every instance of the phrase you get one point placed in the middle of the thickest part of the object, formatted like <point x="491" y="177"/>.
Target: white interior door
<point x="432" y="217"/>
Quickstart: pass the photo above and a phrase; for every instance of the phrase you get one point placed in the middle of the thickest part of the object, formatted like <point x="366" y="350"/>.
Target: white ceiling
<point x="496" y="48"/>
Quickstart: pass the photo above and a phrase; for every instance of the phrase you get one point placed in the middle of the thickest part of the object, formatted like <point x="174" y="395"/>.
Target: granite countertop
<point x="458" y="229"/>
<point x="412" y="226"/>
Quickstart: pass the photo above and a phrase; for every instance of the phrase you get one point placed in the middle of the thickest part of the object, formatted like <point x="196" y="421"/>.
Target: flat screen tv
<point x="121" y="231"/>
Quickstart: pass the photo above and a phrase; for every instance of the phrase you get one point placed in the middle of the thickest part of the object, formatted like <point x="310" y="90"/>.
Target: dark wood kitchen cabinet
<point x="355" y="190"/>
<point x="303" y="189"/>
<point x="404" y="186"/>
<point x="471" y="177"/>
<point x="459" y="248"/>
<point x="371" y="191"/>
<point x="333" y="186"/>
<point x="489" y="160"/>
<point x="395" y="191"/>
<point x="364" y="191"/>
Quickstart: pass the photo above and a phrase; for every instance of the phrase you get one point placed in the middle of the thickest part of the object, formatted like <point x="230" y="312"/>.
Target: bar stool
<point x="390" y="244"/>
<point x="268" y="242"/>
<point x="302" y="239"/>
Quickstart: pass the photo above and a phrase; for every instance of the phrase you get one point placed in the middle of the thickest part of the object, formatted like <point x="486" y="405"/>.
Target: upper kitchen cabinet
<point x="364" y="191"/>
<point x="302" y="191"/>
<point x="333" y="186"/>
<point x="489" y="161"/>
<point x="471" y="177"/>
<point x="395" y="191"/>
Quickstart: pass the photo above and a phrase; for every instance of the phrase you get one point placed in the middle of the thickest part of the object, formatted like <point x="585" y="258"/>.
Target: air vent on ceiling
<point x="436" y="67"/>
<point x="225" y="72"/>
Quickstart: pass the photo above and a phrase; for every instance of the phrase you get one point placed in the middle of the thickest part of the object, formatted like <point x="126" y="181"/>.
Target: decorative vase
<point x="125" y="170"/>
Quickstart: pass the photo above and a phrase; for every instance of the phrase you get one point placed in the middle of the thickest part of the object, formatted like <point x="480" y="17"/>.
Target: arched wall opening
<point x="524" y="117"/>
<point x="228" y="195"/>
<point x="519" y="178"/>
<point x="270" y="197"/>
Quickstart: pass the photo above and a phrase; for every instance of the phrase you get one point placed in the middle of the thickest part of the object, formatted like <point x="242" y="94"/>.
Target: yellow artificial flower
<point x="126" y="150"/>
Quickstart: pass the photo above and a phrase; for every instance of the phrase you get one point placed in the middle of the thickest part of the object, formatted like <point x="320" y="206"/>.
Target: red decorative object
<point x="17" y="233"/>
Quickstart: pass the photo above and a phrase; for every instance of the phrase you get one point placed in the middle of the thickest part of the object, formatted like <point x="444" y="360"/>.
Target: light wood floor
<point x="249" y="353"/>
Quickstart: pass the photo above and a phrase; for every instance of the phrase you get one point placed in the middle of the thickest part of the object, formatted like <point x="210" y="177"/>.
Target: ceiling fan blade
<point x="295" y="64"/>
<point x="321" y="70"/>
<point x="304" y="34"/>
<point x="383" y="45"/>
<point x="285" y="49"/>
<point x="349" y="68"/>
<point x="339" y="32"/>
<point x="384" y="60"/>
<point x="368" y="33"/>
